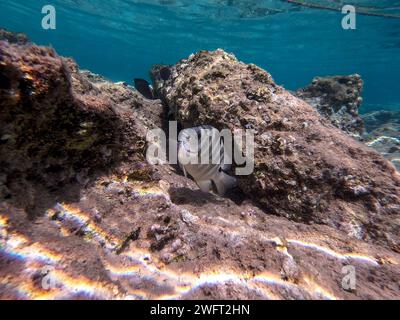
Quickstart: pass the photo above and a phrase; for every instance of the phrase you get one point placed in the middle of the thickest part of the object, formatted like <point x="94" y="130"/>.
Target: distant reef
<point x="337" y="98"/>
<point x="83" y="215"/>
<point x="13" y="37"/>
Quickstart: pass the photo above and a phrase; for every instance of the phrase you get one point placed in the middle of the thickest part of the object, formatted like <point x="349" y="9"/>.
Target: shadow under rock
<point x="199" y="198"/>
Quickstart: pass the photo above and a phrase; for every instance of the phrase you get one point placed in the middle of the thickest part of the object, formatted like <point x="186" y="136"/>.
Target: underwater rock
<point x="55" y="125"/>
<point x="13" y="37"/>
<point x="93" y="77"/>
<point x="338" y="99"/>
<point x="305" y="169"/>
<point x="126" y="230"/>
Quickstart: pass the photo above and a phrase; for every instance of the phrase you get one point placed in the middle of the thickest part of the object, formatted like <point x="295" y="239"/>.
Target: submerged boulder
<point x="305" y="168"/>
<point x="337" y="98"/>
<point x="13" y="37"/>
<point x="57" y="128"/>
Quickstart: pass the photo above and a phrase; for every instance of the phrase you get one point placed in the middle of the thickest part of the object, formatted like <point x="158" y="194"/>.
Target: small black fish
<point x="144" y="88"/>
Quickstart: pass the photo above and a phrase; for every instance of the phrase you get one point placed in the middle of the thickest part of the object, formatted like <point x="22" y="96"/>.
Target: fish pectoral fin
<point x="223" y="182"/>
<point x="205" y="185"/>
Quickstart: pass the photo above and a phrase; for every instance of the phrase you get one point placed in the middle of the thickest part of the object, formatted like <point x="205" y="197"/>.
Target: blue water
<point x="122" y="39"/>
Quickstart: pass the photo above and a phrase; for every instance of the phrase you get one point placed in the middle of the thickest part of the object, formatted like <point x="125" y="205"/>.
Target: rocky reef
<point x="57" y="128"/>
<point x="82" y="214"/>
<point x="13" y="37"/>
<point x="338" y="99"/>
<point x="305" y="169"/>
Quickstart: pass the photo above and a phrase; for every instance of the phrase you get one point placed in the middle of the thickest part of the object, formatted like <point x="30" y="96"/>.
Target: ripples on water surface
<point x="121" y="39"/>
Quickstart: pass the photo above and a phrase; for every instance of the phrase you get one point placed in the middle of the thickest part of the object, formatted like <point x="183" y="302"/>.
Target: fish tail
<point x="224" y="182"/>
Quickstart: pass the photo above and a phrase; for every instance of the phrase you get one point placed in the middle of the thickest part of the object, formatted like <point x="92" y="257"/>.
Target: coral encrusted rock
<point x="57" y="128"/>
<point x="338" y="99"/>
<point x="13" y="37"/>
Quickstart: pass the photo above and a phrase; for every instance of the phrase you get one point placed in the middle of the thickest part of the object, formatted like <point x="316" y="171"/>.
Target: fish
<point x="212" y="174"/>
<point x="144" y="88"/>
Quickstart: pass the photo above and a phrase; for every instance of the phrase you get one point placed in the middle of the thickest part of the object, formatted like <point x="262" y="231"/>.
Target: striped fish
<point x="193" y="148"/>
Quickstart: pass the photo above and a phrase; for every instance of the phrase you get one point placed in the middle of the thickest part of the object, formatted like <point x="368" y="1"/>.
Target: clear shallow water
<point x="122" y="39"/>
